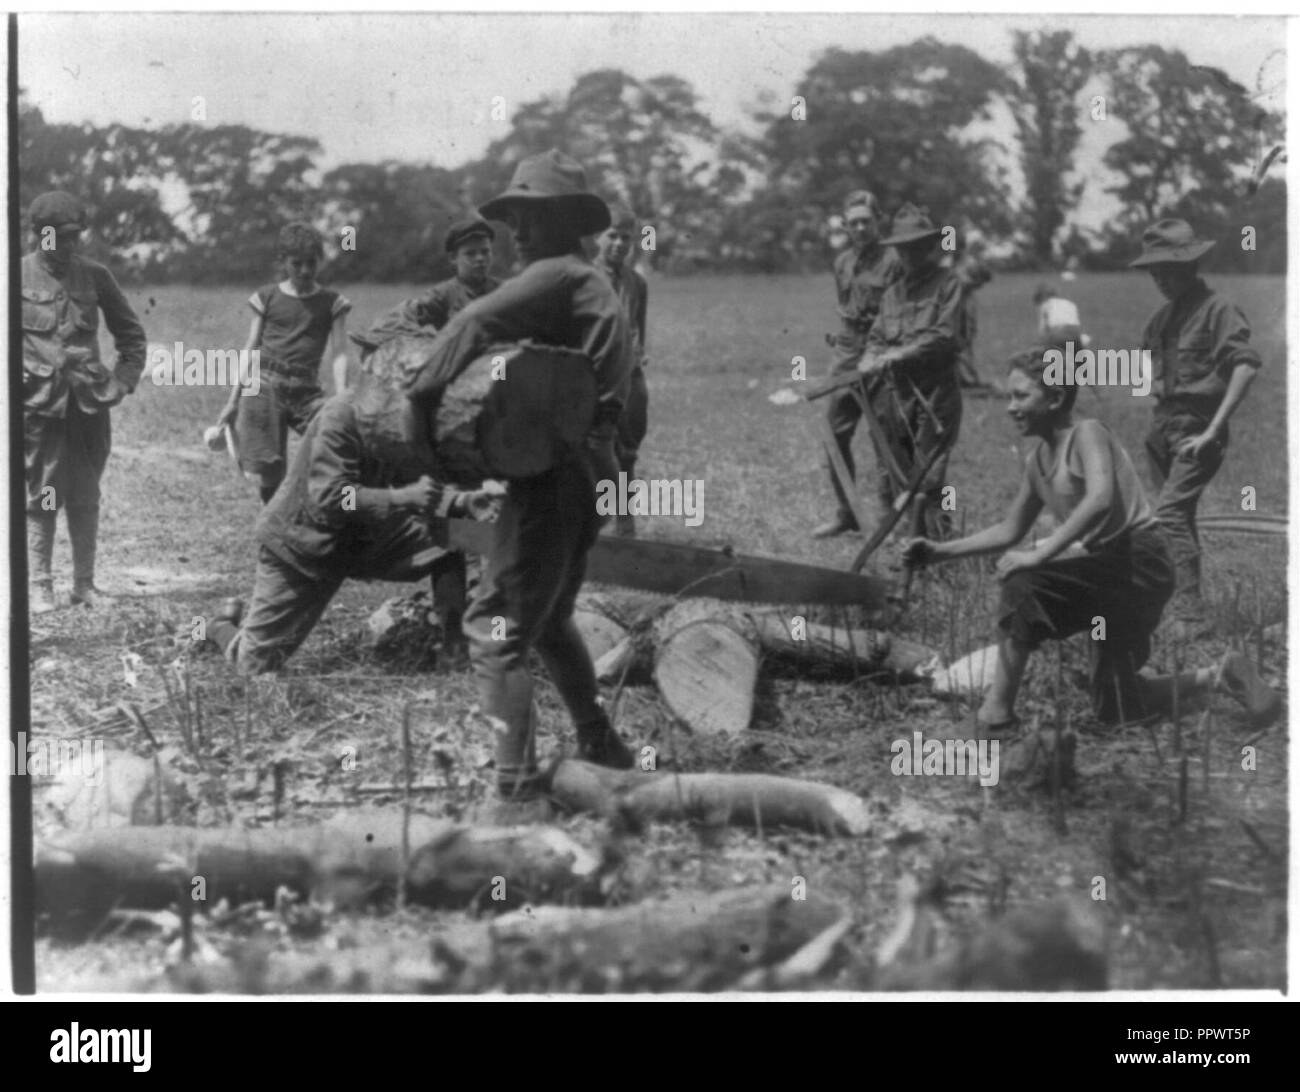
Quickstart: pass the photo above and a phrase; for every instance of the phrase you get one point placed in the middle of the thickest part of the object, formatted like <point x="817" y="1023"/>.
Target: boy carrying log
<point x="294" y="324"/>
<point x="548" y="522"/>
<point x="1106" y="559"/>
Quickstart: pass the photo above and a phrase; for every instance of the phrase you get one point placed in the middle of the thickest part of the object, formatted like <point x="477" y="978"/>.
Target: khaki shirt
<point x="922" y="315"/>
<point x="1196" y="342"/>
<point x="860" y="283"/>
<point x="61" y="338"/>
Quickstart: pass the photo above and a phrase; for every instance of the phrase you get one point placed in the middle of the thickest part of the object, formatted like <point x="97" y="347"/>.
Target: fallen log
<point x="752" y="938"/>
<point x="713" y="799"/>
<point x="707" y="657"/>
<point x="347" y="861"/>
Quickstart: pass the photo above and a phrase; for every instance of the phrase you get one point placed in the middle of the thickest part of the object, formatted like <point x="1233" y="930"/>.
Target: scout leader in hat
<point x="548" y="523"/>
<point x="1202" y="365"/>
<point x="862" y="271"/>
<point x="68" y="390"/>
<point x="911" y="359"/>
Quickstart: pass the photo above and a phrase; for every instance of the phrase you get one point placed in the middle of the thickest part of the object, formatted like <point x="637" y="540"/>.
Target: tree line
<point x="202" y="203"/>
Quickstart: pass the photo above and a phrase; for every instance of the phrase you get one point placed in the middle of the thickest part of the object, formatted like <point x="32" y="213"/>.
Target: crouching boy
<point x="355" y="505"/>
<point x="1106" y="559"/>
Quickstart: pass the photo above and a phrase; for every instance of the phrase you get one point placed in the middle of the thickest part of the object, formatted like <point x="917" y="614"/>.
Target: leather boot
<point x="599" y="743"/>
<point x="40" y="554"/>
<point x="83" y="531"/>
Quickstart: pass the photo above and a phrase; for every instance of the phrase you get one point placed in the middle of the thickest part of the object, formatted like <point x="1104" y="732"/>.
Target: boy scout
<point x="1203" y="364"/>
<point x="468" y="244"/>
<point x="67" y="391"/>
<point x="355" y="505"/>
<point x="547" y="523"/>
<point x="862" y="273"/>
<point x="613" y="249"/>
<point x="911" y="360"/>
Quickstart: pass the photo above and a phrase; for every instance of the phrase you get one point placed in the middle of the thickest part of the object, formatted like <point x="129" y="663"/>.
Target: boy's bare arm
<point x="1098" y="493"/>
<point x="1012" y="528"/>
<point x="1243" y="375"/>
<point x="232" y="403"/>
<point x="339" y="344"/>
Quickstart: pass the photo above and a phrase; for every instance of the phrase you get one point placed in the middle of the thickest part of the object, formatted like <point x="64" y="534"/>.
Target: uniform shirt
<point x="922" y="314"/>
<point x="860" y="283"/>
<point x="443" y="300"/>
<point x="336" y="503"/>
<point x="61" y="337"/>
<point x="564" y="301"/>
<point x="1196" y="342"/>
<point x="1060" y="484"/>
<point x="295" y="331"/>
<point x="635" y="293"/>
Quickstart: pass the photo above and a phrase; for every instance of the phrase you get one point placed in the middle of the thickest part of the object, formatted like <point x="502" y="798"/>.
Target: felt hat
<point x="463" y="230"/>
<point x="1170" y="241"/>
<point x="556" y="179"/>
<point x="57" y="209"/>
<point x="911" y="225"/>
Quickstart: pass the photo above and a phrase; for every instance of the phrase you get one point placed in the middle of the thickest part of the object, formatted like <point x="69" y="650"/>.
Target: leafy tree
<point x="1052" y="71"/>
<point x="893" y="122"/>
<point x="1190" y="141"/>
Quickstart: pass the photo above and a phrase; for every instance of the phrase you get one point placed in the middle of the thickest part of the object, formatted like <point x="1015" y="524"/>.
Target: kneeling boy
<point x="1106" y="558"/>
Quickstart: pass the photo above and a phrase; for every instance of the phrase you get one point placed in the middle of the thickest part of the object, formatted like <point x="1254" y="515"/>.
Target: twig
<point x="406" y="805"/>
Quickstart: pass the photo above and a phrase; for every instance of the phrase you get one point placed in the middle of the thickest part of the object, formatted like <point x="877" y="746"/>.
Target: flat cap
<point x="57" y="209"/>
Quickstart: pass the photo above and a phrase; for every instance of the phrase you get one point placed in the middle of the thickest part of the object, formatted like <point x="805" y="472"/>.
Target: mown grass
<point x="1192" y="899"/>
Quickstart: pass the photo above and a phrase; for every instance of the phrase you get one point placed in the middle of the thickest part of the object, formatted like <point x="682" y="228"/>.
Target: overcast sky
<point x="421" y="87"/>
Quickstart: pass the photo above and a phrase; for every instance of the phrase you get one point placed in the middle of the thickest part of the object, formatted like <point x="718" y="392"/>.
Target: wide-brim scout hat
<point x="1170" y="241"/>
<point x="557" y="180"/>
<point x="462" y="231"/>
<point x="58" y="210"/>
<point x="911" y="225"/>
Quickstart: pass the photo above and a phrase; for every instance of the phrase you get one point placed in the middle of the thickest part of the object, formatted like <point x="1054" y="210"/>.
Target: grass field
<point x="1196" y="893"/>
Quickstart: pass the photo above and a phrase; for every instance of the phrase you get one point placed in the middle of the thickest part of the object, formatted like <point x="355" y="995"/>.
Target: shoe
<point x="40" y="599"/>
<point x="86" y="594"/>
<point x="1238" y="678"/>
<point x="1003" y="729"/>
<point x="625" y="526"/>
<point x="841" y="524"/>
<point x="600" y="744"/>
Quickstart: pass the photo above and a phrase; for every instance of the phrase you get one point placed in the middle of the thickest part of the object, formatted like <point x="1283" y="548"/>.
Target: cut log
<point x="968" y="677"/>
<point x="514" y="412"/>
<point x="350" y="860"/>
<point x="706" y="671"/>
<point x="600" y="632"/>
<point x="756" y="937"/>
<point x="715" y="799"/>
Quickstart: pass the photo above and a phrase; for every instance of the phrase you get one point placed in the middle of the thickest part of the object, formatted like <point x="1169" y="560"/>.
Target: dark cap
<point x="464" y="230"/>
<point x="57" y="209"/>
